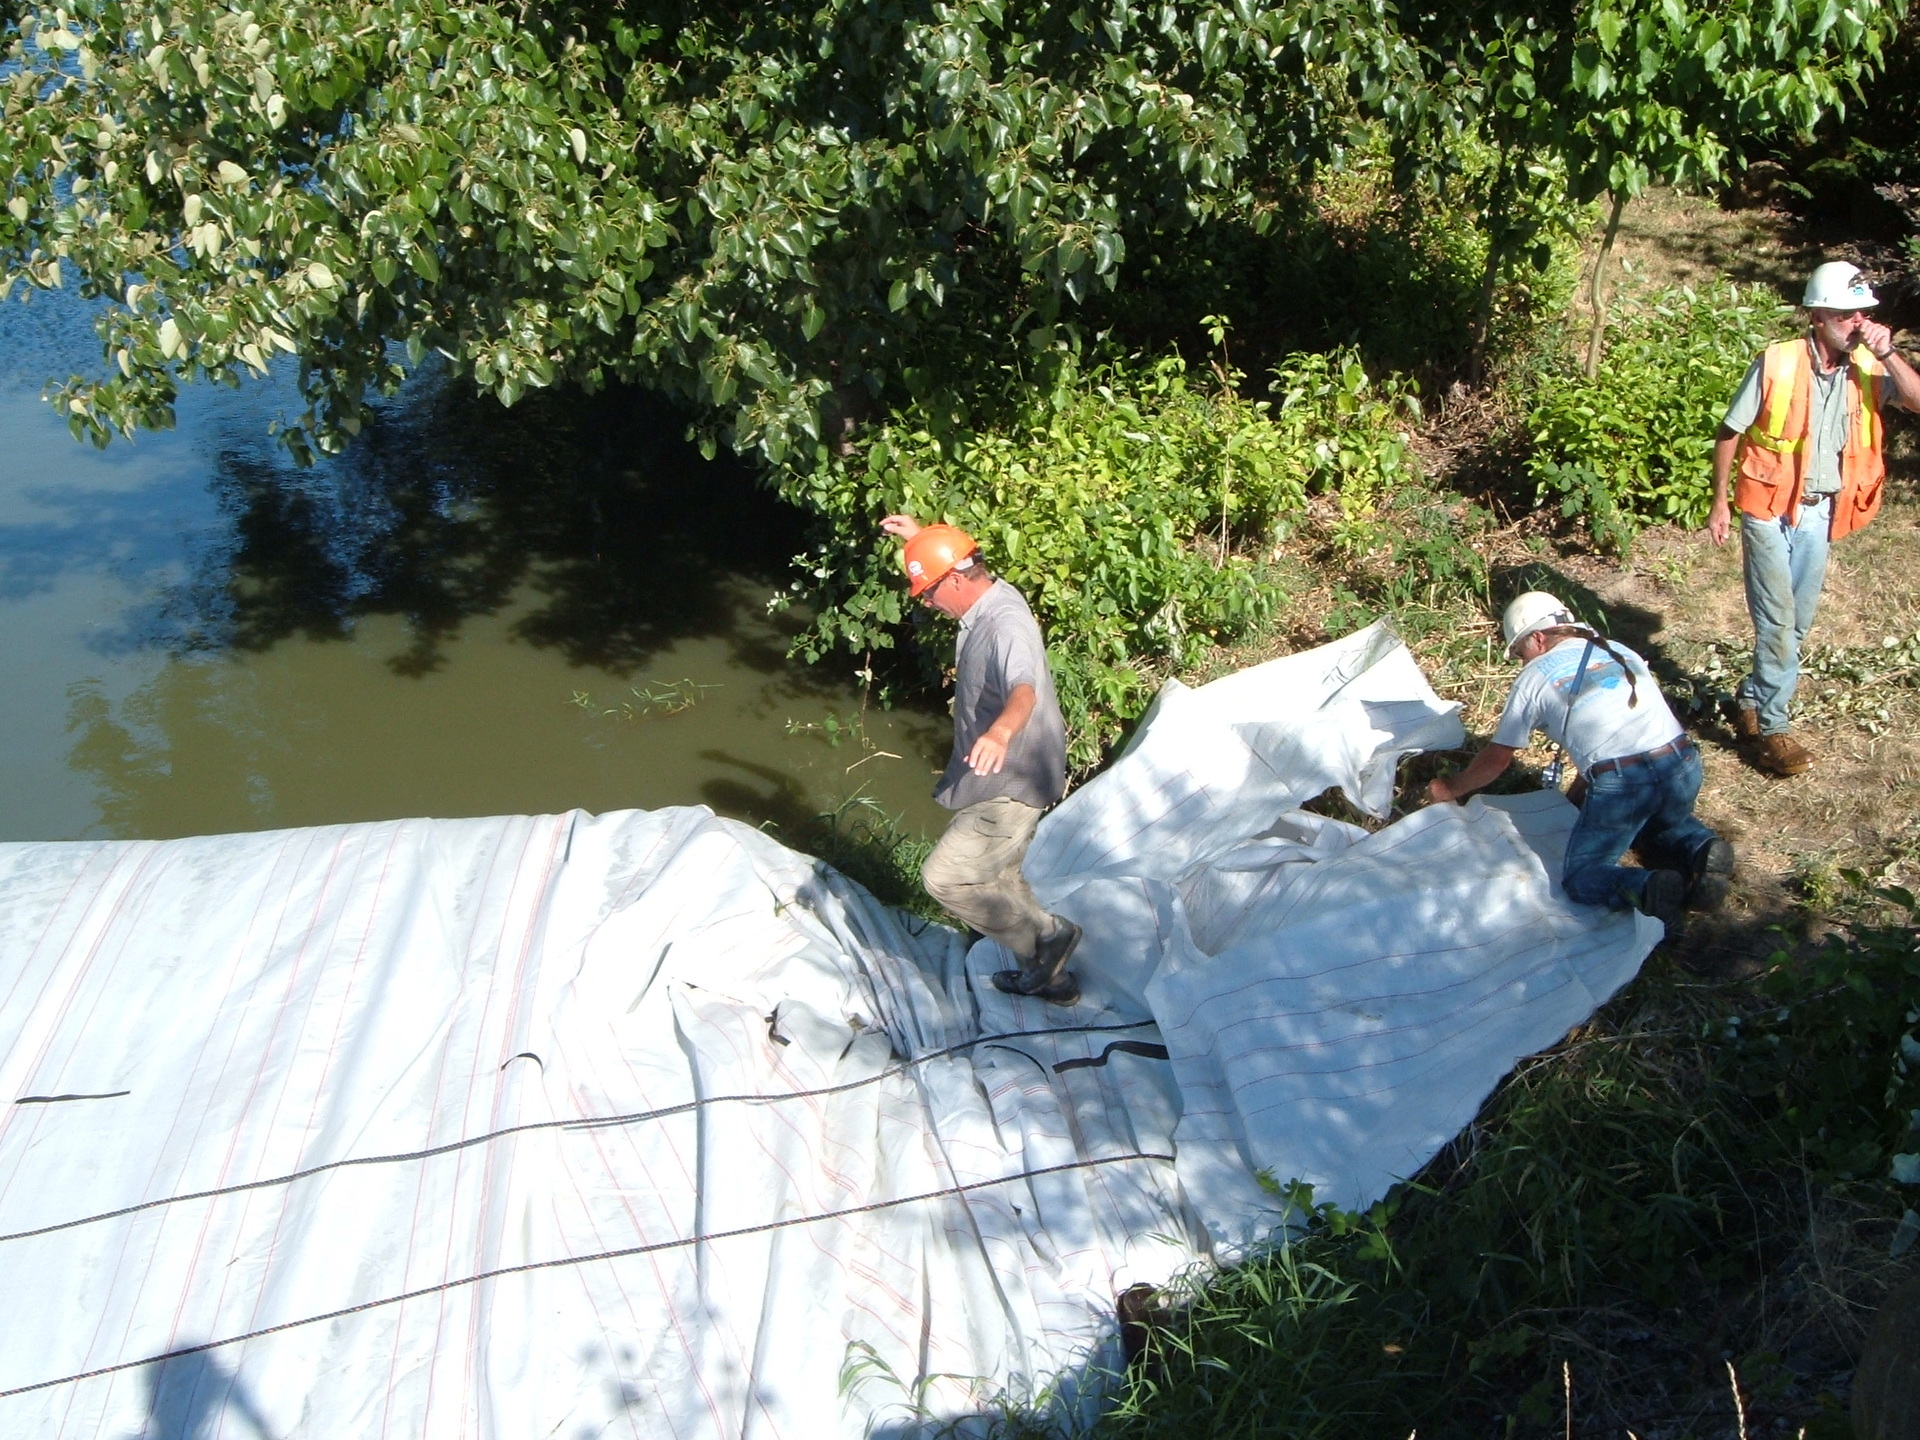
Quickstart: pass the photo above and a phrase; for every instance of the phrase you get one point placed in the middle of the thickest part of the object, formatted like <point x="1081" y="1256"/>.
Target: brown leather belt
<point x="1679" y="746"/>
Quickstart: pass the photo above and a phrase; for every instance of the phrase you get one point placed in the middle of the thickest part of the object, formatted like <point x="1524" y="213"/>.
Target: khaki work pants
<point x="975" y="872"/>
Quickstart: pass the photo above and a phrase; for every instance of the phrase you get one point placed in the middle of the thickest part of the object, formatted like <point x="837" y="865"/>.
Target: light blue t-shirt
<point x="1596" y="724"/>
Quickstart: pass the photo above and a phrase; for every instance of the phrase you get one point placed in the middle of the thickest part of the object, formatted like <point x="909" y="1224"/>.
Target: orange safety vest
<point x="1773" y="453"/>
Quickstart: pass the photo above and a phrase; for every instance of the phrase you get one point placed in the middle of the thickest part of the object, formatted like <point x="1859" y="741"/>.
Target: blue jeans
<point x="1648" y="806"/>
<point x="1784" y="566"/>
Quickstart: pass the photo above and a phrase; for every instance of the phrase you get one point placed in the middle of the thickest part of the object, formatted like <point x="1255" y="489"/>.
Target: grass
<point x="866" y="843"/>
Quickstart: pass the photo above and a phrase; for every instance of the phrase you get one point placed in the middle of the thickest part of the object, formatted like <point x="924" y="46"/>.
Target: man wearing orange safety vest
<point x="1009" y="759"/>
<point x="1806" y="435"/>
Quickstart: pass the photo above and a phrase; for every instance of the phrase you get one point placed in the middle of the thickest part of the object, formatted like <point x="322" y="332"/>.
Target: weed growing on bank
<point x="1130" y="505"/>
<point x="861" y="839"/>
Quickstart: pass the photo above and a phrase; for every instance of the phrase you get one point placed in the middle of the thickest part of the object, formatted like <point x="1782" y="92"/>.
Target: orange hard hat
<point x="933" y="552"/>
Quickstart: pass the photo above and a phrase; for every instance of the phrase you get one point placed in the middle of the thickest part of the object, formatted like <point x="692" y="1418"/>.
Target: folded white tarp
<point x="643" y="1124"/>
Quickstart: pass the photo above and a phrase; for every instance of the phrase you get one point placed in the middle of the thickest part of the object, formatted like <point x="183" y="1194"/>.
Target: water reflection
<point x="455" y="618"/>
<point x="448" y="506"/>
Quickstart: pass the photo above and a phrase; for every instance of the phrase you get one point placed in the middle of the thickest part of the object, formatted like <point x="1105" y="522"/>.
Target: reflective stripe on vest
<point x="1786" y="370"/>
<point x="1786" y="376"/>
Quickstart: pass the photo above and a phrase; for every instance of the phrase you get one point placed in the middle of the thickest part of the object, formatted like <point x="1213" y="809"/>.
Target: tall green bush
<point x="1131" y="506"/>
<point x="1634" y="444"/>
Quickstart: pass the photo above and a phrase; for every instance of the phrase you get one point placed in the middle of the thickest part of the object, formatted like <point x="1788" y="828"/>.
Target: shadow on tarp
<point x="195" y="1397"/>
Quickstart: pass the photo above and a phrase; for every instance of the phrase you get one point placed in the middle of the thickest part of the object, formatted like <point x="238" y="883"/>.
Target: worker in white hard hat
<point x="1803" y="446"/>
<point x="1598" y="702"/>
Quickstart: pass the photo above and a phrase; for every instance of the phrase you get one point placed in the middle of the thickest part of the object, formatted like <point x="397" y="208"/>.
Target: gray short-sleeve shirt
<point x="1828" y="418"/>
<point x="1000" y="648"/>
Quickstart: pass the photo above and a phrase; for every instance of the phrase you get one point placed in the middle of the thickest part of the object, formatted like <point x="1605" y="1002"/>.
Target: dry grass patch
<point x="1669" y="238"/>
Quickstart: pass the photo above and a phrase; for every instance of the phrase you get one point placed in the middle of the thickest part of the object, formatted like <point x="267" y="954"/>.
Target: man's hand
<point x="1439" y="791"/>
<point x="988" y="755"/>
<point x="1875" y="336"/>
<point x="1905" y="379"/>
<point x="904" y="526"/>
<point x="989" y="752"/>
<point x="1720" y="522"/>
<point x="1726" y="448"/>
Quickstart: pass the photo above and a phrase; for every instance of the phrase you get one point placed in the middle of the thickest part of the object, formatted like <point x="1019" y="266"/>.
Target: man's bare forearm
<point x="1013" y="719"/>
<point x="1906" y="380"/>
<point x="1485" y="768"/>
<point x="989" y="752"/>
<point x="1725" y="446"/>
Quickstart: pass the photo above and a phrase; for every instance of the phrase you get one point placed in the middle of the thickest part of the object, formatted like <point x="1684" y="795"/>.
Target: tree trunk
<point x="1597" y="295"/>
<point x="1483" y="316"/>
<point x="1496" y="222"/>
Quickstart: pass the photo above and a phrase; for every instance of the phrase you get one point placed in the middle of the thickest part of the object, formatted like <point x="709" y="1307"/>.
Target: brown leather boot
<point x="1746" y="721"/>
<point x="1782" y="755"/>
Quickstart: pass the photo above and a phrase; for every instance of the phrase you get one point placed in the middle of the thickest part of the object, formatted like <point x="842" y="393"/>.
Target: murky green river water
<point x="474" y="612"/>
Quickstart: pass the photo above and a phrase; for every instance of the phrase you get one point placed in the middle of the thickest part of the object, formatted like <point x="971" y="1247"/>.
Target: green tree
<point x="758" y="208"/>
<point x="1610" y="96"/>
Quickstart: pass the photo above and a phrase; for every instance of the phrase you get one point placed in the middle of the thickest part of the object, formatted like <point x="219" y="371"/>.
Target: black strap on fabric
<point x="576" y="1123"/>
<point x="568" y="1260"/>
<point x="62" y="1099"/>
<point x="1125" y="1047"/>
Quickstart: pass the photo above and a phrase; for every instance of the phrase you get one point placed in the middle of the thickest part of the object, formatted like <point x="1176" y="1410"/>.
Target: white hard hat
<point x="1535" y="610"/>
<point x="1837" y="285"/>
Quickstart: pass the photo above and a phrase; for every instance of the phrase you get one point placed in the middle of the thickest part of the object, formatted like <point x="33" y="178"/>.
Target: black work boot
<point x="1046" y="977"/>
<point x="1710" y="875"/>
<point x="1664" y="897"/>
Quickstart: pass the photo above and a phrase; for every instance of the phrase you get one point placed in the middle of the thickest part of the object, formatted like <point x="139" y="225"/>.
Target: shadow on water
<point x="443" y="509"/>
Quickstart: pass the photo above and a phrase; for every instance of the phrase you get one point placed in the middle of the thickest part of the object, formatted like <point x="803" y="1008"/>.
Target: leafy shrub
<point x="1123" y="504"/>
<point x="1634" y="445"/>
<point x="1345" y="428"/>
<point x="1585" y="495"/>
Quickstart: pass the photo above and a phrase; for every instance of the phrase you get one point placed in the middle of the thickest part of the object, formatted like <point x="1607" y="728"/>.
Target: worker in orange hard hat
<point x="931" y="552"/>
<point x="1009" y="759"/>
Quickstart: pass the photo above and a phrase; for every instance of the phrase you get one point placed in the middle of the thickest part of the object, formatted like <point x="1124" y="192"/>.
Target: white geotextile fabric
<point x="643" y="1124"/>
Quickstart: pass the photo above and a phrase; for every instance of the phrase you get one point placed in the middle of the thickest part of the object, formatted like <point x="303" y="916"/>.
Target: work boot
<point x="1745" y="720"/>
<point x="1664" y="897"/>
<point x="1045" y="976"/>
<point x="1710" y="876"/>
<point x="1782" y="755"/>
